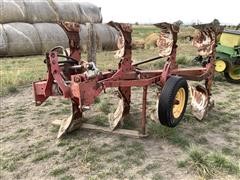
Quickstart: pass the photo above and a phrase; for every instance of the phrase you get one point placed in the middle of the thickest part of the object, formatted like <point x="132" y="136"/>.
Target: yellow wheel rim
<point x="234" y="73"/>
<point x="179" y="103"/>
<point x="220" y="65"/>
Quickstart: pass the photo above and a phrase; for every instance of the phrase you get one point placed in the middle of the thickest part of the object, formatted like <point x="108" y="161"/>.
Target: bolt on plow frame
<point x="82" y="82"/>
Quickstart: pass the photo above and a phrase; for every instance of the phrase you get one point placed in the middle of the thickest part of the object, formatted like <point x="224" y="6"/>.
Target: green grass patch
<point x="10" y="161"/>
<point x="58" y="171"/>
<point x="12" y="89"/>
<point x="20" y="71"/>
<point x="20" y="133"/>
<point x="104" y="107"/>
<point x="221" y="162"/>
<point x="173" y="135"/>
<point x="207" y="164"/>
<point x="9" y="165"/>
<point x="43" y="155"/>
<point x="100" y="120"/>
<point x="67" y="177"/>
<point x="72" y="152"/>
<point x="97" y="100"/>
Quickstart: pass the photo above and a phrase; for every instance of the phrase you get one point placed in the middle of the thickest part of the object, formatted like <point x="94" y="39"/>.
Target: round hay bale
<point x="40" y="11"/>
<point x="138" y="44"/>
<point x="51" y="35"/>
<point x="107" y="36"/>
<point x="67" y="11"/>
<point x="151" y="40"/>
<point x="12" y="11"/>
<point x="89" y="13"/>
<point x="3" y="42"/>
<point x="23" y="39"/>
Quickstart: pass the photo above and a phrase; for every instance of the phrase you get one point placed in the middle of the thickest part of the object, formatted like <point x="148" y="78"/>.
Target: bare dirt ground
<point x="29" y="148"/>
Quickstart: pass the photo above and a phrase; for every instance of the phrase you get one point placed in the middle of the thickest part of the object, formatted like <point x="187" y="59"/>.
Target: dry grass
<point x="17" y="72"/>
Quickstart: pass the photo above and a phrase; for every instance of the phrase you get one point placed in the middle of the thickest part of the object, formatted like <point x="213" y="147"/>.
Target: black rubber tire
<point x="229" y="79"/>
<point x="167" y="100"/>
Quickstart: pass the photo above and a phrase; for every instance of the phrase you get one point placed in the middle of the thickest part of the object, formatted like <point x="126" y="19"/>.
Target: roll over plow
<point x="82" y="82"/>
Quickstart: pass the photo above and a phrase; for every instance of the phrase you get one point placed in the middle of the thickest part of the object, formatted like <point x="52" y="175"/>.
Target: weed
<point x="10" y="161"/>
<point x="74" y="151"/>
<point x="44" y="155"/>
<point x="129" y="122"/>
<point x="123" y="138"/>
<point x="100" y="120"/>
<point x="183" y="60"/>
<point x="104" y="107"/>
<point x="39" y="144"/>
<point x="152" y="166"/>
<point x="207" y="164"/>
<point x="181" y="164"/>
<point x="12" y="89"/>
<point x="170" y="134"/>
<point x="227" y="151"/>
<point x="221" y="162"/>
<point x="202" y="140"/>
<point x="63" y="142"/>
<point x="198" y="162"/>
<point x="64" y="101"/>
<point x="47" y="103"/>
<point x="54" y="129"/>
<point x="157" y="177"/>
<point x="58" y="171"/>
<point x="67" y="177"/>
<point x="8" y="164"/>
<point x="97" y="100"/>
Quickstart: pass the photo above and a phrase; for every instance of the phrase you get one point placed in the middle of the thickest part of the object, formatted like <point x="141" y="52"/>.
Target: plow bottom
<point x="115" y="118"/>
<point x="200" y="101"/>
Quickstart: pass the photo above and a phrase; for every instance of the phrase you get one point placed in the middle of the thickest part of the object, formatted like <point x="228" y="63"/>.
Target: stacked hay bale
<point x="30" y="27"/>
<point x="151" y="40"/>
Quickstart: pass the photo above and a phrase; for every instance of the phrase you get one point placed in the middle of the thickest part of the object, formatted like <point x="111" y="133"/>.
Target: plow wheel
<point x="72" y="123"/>
<point x="173" y="101"/>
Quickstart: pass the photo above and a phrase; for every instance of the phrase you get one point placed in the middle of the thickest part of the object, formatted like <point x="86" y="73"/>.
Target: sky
<point x="154" y="11"/>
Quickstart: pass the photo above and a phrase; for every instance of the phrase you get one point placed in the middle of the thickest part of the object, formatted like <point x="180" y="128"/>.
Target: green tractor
<point x="228" y="55"/>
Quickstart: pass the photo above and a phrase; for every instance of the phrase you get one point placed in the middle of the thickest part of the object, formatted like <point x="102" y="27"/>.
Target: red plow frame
<point x="81" y="81"/>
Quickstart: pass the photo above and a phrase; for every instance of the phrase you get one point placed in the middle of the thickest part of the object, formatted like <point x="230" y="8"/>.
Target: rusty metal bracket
<point x="205" y="41"/>
<point x="167" y="44"/>
<point x="167" y="38"/>
<point x="72" y="30"/>
<point x="125" y="64"/>
<point x="124" y="40"/>
<point x="206" y="38"/>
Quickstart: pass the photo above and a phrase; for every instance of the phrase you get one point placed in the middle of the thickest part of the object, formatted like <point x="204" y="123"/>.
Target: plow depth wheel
<point x="173" y="101"/>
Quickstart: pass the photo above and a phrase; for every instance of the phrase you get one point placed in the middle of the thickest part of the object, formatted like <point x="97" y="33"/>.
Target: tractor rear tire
<point x="173" y="101"/>
<point x="233" y="75"/>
